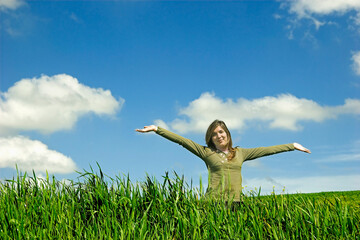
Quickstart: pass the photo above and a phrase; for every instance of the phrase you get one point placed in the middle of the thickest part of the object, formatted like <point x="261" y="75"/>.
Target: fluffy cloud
<point x="46" y="104"/>
<point x="304" y="8"/>
<point x="31" y="155"/>
<point x="314" y="10"/>
<point x="10" y="4"/>
<point x="49" y="104"/>
<point x="284" y="112"/>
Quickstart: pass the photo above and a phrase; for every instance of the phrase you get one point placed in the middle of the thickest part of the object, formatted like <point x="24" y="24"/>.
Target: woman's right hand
<point x="151" y="128"/>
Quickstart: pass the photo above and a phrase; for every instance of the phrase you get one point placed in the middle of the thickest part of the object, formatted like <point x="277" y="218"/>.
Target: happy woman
<point x="223" y="161"/>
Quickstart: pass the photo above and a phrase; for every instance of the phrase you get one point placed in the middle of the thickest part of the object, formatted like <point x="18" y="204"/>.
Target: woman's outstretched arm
<point x="190" y="145"/>
<point x="299" y="147"/>
<point x="253" y="153"/>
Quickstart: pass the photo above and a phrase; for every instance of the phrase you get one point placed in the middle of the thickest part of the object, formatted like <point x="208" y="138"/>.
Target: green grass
<point x="100" y="207"/>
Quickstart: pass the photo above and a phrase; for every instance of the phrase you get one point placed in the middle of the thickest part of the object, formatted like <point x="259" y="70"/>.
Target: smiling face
<point x="220" y="139"/>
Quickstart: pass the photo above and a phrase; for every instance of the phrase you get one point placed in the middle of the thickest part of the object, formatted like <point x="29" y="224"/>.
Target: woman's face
<point x="220" y="138"/>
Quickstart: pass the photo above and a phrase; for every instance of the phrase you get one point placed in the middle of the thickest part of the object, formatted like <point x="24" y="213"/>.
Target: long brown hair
<point x="209" y="133"/>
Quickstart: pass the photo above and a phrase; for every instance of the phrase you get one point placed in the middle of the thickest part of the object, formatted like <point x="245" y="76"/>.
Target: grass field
<point x="99" y="207"/>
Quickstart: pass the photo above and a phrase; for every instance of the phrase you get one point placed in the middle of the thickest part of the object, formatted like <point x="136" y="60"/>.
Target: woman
<point x="223" y="161"/>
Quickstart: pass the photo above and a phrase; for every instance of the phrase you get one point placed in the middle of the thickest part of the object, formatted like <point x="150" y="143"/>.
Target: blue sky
<point x="77" y="77"/>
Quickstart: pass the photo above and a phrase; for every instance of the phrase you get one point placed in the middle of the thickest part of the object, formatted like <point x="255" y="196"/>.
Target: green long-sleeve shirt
<point x="224" y="176"/>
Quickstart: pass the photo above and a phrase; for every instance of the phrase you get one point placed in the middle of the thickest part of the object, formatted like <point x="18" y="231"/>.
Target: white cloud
<point x="304" y="184"/>
<point x="31" y="155"/>
<point x="356" y="62"/>
<point x="284" y="111"/>
<point x="10" y="4"/>
<point x="49" y="104"/>
<point x="46" y="104"/>
<point x="315" y="9"/>
<point x="304" y="8"/>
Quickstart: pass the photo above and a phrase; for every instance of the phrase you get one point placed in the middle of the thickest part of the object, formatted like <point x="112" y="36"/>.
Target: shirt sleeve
<point x="190" y="145"/>
<point x="252" y="153"/>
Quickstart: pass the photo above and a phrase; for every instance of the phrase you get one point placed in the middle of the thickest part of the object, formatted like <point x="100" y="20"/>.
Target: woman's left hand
<point x="299" y="147"/>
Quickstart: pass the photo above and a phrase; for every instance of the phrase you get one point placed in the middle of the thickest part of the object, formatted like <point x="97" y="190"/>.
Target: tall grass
<point x="99" y="207"/>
